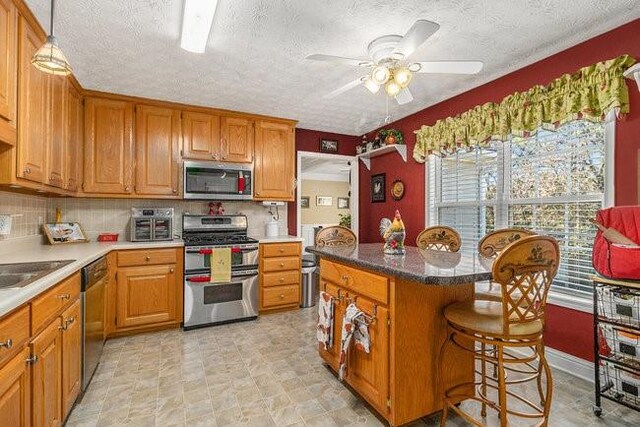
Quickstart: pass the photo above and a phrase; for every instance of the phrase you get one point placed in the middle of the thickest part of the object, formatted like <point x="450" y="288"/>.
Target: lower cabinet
<point x="145" y="290"/>
<point x="71" y="356"/>
<point x="15" y="391"/>
<point x="46" y="379"/>
<point x="280" y="276"/>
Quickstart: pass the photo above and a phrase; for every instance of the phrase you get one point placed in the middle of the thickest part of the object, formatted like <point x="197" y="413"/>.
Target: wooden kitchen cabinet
<point x="46" y="376"/>
<point x="15" y="391"/>
<point x="75" y="137"/>
<point x="236" y="140"/>
<point x="145" y="290"/>
<point x="279" y="276"/>
<point x="71" y="356"/>
<point x="8" y="71"/>
<point x="274" y="173"/>
<point x="200" y="136"/>
<point x="56" y="174"/>
<point x="33" y="108"/>
<point x="157" y="148"/>
<point x="108" y="146"/>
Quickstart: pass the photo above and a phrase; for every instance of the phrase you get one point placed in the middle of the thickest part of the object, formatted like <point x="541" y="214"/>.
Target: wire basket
<point x="621" y="345"/>
<point x="620" y="384"/>
<point x="619" y="304"/>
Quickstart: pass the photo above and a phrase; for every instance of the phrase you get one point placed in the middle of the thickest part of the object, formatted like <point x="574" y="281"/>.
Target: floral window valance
<point x="587" y="94"/>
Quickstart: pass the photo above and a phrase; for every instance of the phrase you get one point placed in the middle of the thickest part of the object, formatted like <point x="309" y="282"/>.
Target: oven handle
<point x="210" y="251"/>
<point x="207" y="278"/>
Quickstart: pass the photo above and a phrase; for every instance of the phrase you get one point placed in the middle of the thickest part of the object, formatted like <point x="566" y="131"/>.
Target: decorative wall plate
<point x="397" y="189"/>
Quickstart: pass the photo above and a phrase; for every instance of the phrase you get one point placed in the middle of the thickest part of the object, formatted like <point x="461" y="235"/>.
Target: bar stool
<point x="524" y="270"/>
<point x="336" y="235"/>
<point x="490" y="246"/>
<point x="440" y="237"/>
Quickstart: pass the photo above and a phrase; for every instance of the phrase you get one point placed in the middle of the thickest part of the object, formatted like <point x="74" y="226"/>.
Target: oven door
<point x="243" y="257"/>
<point x="212" y="303"/>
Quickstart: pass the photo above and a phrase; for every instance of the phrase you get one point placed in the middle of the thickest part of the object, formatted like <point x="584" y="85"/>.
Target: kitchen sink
<point x="21" y="274"/>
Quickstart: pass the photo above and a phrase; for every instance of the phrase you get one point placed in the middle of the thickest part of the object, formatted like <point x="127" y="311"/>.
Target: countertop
<point x="426" y="266"/>
<point x="81" y="253"/>
<point x="278" y="239"/>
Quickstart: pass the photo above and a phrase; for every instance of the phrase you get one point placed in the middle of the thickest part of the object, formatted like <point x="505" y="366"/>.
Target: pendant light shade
<point x="49" y="58"/>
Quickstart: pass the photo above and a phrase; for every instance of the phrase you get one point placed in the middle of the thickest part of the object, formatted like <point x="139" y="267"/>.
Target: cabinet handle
<point x="7" y="344"/>
<point x="281" y="296"/>
<point x="126" y="188"/>
<point x="281" y="250"/>
<point x="282" y="264"/>
<point x="64" y="297"/>
<point x="32" y="359"/>
<point x="51" y="179"/>
<point x="171" y="270"/>
<point x="174" y="190"/>
<point x="257" y="193"/>
<point x="69" y="321"/>
<point x="147" y="258"/>
<point x="281" y="279"/>
<point x="27" y="170"/>
<point x="215" y="157"/>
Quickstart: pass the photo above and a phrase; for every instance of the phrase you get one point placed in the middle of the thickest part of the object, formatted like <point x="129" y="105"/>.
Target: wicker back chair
<point x="440" y="237"/>
<point x="336" y="235"/>
<point x="492" y="244"/>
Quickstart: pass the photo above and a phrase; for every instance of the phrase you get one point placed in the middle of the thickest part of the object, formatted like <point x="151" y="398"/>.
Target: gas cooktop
<point x="201" y="239"/>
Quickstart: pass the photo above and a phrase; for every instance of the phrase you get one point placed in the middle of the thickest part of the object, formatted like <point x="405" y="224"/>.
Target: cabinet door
<point x="56" y="148"/>
<point x="75" y="133"/>
<point x="274" y="161"/>
<point x="145" y="295"/>
<point x="46" y="375"/>
<point x="108" y="146"/>
<point x="8" y="72"/>
<point x="157" y="146"/>
<point x="331" y="355"/>
<point x="200" y="136"/>
<point x="15" y="392"/>
<point x="236" y="143"/>
<point x="368" y="373"/>
<point x="71" y="356"/>
<point x="33" y="109"/>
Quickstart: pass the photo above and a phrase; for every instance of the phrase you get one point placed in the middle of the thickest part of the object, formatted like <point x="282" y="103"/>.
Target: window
<point x="552" y="183"/>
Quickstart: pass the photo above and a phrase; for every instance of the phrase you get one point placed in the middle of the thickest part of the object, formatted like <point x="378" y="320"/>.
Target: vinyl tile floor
<point x="261" y="373"/>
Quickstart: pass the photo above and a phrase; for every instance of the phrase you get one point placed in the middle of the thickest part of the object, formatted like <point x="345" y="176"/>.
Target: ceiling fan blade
<point x="343" y="89"/>
<point x="450" y="67"/>
<point x="354" y="62"/>
<point x="417" y="34"/>
<point x="404" y="96"/>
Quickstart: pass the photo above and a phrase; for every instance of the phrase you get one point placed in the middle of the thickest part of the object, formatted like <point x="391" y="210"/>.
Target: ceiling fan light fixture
<point x="380" y="74"/>
<point x="49" y="58"/>
<point x="402" y="76"/>
<point x="197" y="20"/>
<point x="392" y="88"/>
<point x="372" y="86"/>
<point x="415" y="67"/>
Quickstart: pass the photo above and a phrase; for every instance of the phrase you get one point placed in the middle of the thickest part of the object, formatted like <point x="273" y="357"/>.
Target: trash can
<point x="309" y="283"/>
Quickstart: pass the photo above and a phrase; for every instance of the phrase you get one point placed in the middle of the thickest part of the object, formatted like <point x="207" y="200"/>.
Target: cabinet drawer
<point x="291" y="277"/>
<point x="146" y="257"/>
<point x="281" y="264"/>
<point x="280" y="249"/>
<point x="358" y="281"/>
<point x="51" y="303"/>
<point x="14" y="332"/>
<point x="276" y="296"/>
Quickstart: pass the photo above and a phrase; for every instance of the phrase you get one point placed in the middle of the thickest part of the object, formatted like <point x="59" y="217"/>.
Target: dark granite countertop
<point x="426" y="266"/>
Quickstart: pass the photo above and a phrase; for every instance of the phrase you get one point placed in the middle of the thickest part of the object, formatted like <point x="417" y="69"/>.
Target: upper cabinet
<point x="57" y="147"/>
<point x="236" y="140"/>
<point x="274" y="161"/>
<point x="8" y="71"/>
<point x="200" y="136"/>
<point x="211" y="137"/>
<point x="33" y="109"/>
<point x="75" y="135"/>
<point x="108" y="146"/>
<point x="157" y="147"/>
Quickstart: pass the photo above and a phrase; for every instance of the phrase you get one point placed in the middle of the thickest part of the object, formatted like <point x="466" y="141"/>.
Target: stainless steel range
<point x="208" y="303"/>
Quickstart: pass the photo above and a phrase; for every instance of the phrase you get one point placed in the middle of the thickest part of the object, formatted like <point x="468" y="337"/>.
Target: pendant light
<point x="49" y="58"/>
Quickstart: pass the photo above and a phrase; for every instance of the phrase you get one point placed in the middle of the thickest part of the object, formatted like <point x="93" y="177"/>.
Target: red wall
<point x="309" y="140"/>
<point x="568" y="330"/>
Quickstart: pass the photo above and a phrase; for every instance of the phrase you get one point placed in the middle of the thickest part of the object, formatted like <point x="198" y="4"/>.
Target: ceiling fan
<point x="390" y="65"/>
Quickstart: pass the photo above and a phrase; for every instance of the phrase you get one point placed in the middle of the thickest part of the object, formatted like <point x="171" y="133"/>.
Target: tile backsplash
<point x="112" y="215"/>
<point x="28" y="214"/>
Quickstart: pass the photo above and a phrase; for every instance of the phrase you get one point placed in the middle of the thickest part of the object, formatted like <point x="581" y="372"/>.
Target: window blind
<point x="552" y="183"/>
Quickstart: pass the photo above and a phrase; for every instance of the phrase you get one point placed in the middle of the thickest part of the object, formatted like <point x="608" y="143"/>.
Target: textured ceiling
<point x="255" y="56"/>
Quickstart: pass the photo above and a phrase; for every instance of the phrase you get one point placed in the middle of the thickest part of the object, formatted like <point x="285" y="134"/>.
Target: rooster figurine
<point x="393" y="233"/>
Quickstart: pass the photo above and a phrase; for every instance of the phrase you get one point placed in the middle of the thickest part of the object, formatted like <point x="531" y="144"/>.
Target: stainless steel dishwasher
<point x="94" y="280"/>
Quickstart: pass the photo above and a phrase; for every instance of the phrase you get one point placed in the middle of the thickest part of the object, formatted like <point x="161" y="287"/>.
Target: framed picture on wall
<point x="304" y="201"/>
<point x="328" y="146"/>
<point x="343" y="203"/>
<point x="324" y="201"/>
<point x="378" y="188"/>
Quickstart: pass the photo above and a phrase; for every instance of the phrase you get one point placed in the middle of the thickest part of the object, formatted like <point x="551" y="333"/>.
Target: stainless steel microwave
<point x="218" y="181"/>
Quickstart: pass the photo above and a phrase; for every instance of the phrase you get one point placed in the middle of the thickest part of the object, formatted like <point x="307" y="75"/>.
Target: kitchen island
<point x="404" y="297"/>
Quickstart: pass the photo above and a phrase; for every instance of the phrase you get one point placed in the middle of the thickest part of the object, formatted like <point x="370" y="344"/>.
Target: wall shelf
<point x="366" y="157"/>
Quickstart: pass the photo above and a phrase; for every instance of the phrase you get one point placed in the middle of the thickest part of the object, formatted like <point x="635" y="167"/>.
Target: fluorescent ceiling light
<point x="196" y="24"/>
